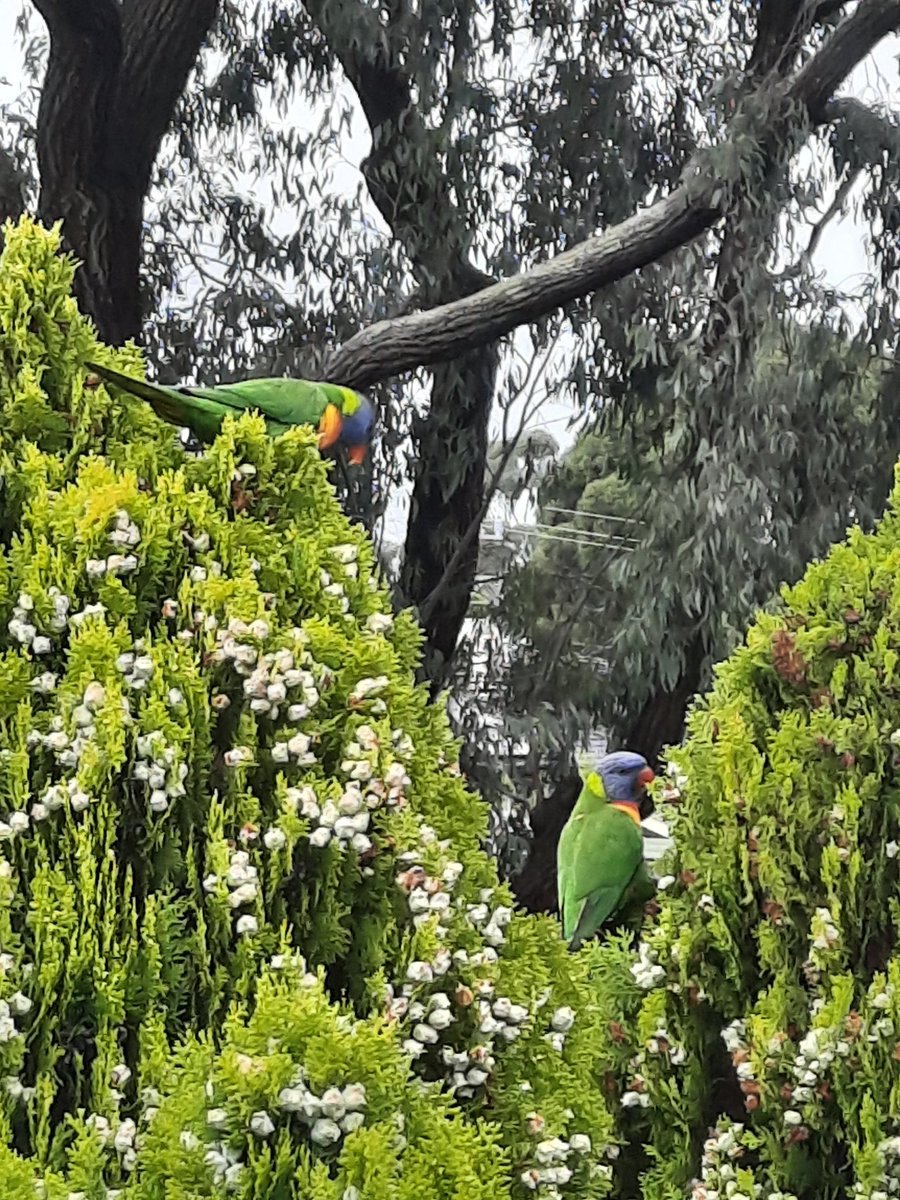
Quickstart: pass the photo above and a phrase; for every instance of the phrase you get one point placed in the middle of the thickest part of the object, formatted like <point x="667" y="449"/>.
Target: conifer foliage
<point x="250" y="943"/>
<point x="765" y="1057"/>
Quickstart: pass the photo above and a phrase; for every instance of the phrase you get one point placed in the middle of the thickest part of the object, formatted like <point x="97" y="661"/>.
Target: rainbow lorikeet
<point x="600" y="859"/>
<point x="341" y="416"/>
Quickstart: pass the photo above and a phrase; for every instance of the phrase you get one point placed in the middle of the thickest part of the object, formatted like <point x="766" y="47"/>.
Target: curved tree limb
<point x="114" y="76"/>
<point x="393" y="346"/>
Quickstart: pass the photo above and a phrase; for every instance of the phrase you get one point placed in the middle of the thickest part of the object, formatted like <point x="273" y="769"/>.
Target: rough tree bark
<point x="406" y="180"/>
<point x="781" y="27"/>
<point x="115" y="74"/>
<point x="13" y="188"/>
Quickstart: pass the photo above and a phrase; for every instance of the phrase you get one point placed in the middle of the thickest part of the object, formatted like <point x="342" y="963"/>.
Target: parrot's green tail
<point x="202" y="410"/>
<point x="167" y="403"/>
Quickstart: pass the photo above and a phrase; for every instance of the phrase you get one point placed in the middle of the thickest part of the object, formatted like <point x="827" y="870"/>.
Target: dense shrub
<point x="773" y="970"/>
<point x="250" y="943"/>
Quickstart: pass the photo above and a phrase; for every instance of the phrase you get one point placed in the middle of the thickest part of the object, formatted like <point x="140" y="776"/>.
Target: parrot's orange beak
<point x="646" y="775"/>
<point x="330" y="427"/>
<point x="357" y="455"/>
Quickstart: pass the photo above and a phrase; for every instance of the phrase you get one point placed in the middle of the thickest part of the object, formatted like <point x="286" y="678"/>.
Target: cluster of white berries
<point x="883" y="1026"/>
<point x="361" y="759"/>
<point x="636" y="1094"/>
<point x="136" y="666"/>
<point x="67" y="750"/>
<point x="379" y="622"/>
<point x="334" y="590"/>
<point x="270" y="679"/>
<point x="432" y="1016"/>
<point x="561" y="1022"/>
<point x="647" y="972"/>
<point x="124" y="536"/>
<point x="490" y="922"/>
<point x="430" y="895"/>
<point x="889" y="1183"/>
<point x="17" y="1091"/>
<point x="225" y="1163"/>
<point x="242" y="883"/>
<point x="18" y="1005"/>
<point x="344" y="821"/>
<point x="661" y="1043"/>
<point x="273" y="682"/>
<point x="22" y="624"/>
<point x="815" y="1054"/>
<point x="126" y="1140"/>
<point x="734" y="1036"/>
<point x="56" y="796"/>
<point x="825" y="935"/>
<point x="347" y="554"/>
<point x="551" y="1155"/>
<point x="157" y="766"/>
<point x="470" y="1069"/>
<point x="718" y="1173"/>
<point x="331" y="1116"/>
<point x="238" y="644"/>
<point x="89" y="610"/>
<point x="124" y="1137"/>
<point x="369" y="689"/>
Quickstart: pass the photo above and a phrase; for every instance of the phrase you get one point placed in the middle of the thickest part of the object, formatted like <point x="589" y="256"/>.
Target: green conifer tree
<point x="764" y="1058"/>
<point x="249" y="943"/>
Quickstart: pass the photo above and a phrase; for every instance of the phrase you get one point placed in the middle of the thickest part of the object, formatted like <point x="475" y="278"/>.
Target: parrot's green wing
<point x="641" y="889"/>
<point x="282" y="402"/>
<point x="600" y="853"/>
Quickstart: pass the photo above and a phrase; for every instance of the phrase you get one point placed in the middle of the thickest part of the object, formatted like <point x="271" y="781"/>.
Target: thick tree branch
<point x="870" y="133"/>
<point x="781" y="26"/>
<point x="393" y="346"/>
<point x="114" y="75"/>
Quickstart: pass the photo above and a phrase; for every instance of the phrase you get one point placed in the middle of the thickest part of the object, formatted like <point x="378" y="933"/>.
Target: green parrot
<point x="342" y="417"/>
<point x="600" y="859"/>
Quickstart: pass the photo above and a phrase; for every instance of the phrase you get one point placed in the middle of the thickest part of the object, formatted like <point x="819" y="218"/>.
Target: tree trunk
<point x="660" y="722"/>
<point x="447" y="508"/>
<point x="535" y="885"/>
<point x="12" y="190"/>
<point x="406" y="180"/>
<point x="114" y="77"/>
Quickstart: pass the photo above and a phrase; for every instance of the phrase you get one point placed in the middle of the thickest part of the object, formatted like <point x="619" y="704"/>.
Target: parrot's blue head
<point x="356" y="429"/>
<point x="625" y="775"/>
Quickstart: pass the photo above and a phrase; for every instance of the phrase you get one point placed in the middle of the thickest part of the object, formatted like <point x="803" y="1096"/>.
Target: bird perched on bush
<point x="600" y="860"/>
<point x="341" y="416"/>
